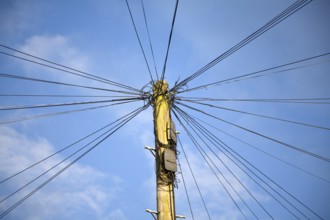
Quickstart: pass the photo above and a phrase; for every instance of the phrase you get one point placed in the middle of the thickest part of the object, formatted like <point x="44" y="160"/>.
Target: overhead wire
<point x="169" y="39"/>
<point x="288" y="101"/>
<point x="262" y="151"/>
<point x="299" y="4"/>
<point x="56" y="165"/>
<point x="260" y="186"/>
<point x="219" y="145"/>
<point x="151" y="77"/>
<point x="138" y="37"/>
<point x="150" y="44"/>
<point x="259" y="115"/>
<point x="82" y="73"/>
<point x="239" y="79"/>
<point x="64" y="96"/>
<point x="12" y="76"/>
<point x="204" y="155"/>
<point x="6" y="108"/>
<point x="70" y="72"/>
<point x="261" y="135"/>
<point x="229" y="150"/>
<point x="252" y="75"/>
<point x="59" y="113"/>
<point x="194" y="178"/>
<point x="67" y="147"/>
<point x="185" y="186"/>
<point x="127" y="117"/>
<point x="197" y="129"/>
<point x="3" y="214"/>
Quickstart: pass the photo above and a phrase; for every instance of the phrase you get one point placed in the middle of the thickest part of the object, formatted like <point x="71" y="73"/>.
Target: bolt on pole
<point x="165" y="138"/>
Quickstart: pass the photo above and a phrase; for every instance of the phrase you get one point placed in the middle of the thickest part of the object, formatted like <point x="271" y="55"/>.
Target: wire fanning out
<point x="208" y="160"/>
<point x="226" y="150"/>
<point x="261" y="135"/>
<point x="137" y="35"/>
<point x="197" y="130"/>
<point x="257" y="74"/>
<point x="287" y="101"/>
<point x="59" y="151"/>
<point x="65" y="104"/>
<point x="102" y="138"/>
<point x="64" y="96"/>
<point x="195" y="181"/>
<point x="169" y="39"/>
<point x="65" y="84"/>
<point x="259" y="115"/>
<point x="216" y="152"/>
<point x="59" y="113"/>
<point x="260" y="150"/>
<point x="299" y="4"/>
<point x="76" y="72"/>
<point x="149" y="38"/>
<point x="184" y="184"/>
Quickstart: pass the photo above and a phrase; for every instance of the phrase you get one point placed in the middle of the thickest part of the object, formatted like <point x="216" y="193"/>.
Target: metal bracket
<point x="152" y="212"/>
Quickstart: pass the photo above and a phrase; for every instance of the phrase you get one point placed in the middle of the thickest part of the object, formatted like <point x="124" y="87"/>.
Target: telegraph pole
<point x="165" y="138"/>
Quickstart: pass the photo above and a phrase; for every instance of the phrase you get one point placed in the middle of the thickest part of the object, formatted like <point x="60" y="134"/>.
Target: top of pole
<point x="160" y="102"/>
<point x="160" y="88"/>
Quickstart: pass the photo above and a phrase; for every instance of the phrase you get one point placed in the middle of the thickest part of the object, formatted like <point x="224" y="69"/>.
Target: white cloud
<point x="63" y="50"/>
<point x="79" y="190"/>
<point x="56" y="48"/>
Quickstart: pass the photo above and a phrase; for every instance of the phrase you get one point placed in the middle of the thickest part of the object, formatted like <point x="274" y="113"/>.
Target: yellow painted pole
<point x="165" y="177"/>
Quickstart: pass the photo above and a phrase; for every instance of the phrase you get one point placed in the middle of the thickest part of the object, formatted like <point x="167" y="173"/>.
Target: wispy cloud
<point x="56" y="48"/>
<point x="80" y="189"/>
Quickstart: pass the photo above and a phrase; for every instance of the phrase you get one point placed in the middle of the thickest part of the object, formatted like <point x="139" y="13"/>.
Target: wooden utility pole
<point x="165" y="138"/>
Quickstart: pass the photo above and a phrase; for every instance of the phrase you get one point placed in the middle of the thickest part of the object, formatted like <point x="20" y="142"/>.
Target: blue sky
<point x="116" y="180"/>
